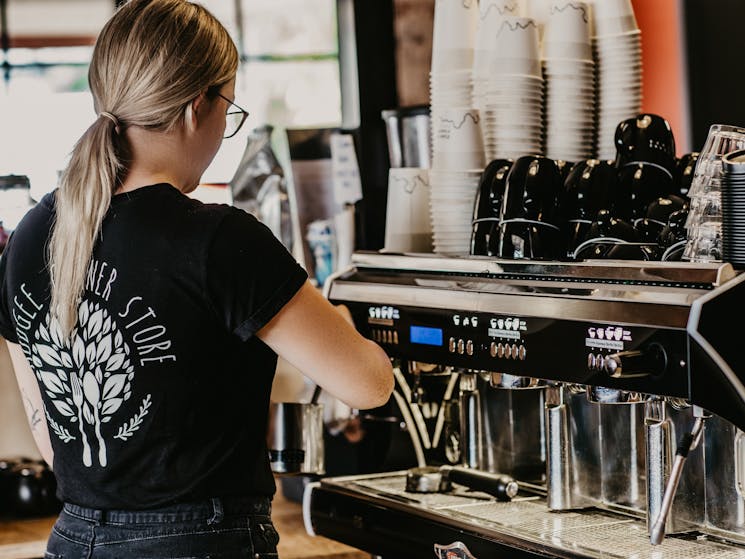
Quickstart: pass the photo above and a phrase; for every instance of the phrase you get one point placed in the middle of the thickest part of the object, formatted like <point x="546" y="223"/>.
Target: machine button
<point x="599" y="361"/>
<point x="461" y="347"/>
<point x="395" y="337"/>
<point x="375" y="336"/>
<point x="591" y="361"/>
<point x="522" y="353"/>
<point x="469" y="347"/>
<point x="500" y="350"/>
<point x="389" y="337"/>
<point x="451" y="345"/>
<point x="507" y="351"/>
<point x="514" y="351"/>
<point x="493" y="349"/>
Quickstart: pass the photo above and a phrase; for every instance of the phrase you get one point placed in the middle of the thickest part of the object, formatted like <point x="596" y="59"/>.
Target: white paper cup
<point x="612" y="26"/>
<point x="408" y="225"/>
<point x="447" y="59"/>
<point x="455" y="25"/>
<point x="566" y="33"/>
<point x="458" y="130"/>
<point x="517" y="38"/>
<point x="491" y="15"/>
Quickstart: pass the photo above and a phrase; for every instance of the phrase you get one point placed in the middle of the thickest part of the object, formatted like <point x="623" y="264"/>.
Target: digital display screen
<point x="425" y="335"/>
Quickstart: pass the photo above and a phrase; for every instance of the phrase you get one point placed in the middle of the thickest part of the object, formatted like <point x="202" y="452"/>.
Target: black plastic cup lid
<point x="734" y="162"/>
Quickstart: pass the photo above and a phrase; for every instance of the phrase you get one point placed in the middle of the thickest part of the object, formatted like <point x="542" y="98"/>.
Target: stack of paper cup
<point x="513" y="101"/>
<point x="618" y="58"/>
<point x="491" y="16"/>
<point x="407" y="224"/>
<point x="452" y="195"/>
<point x="454" y="36"/>
<point x="458" y="160"/>
<point x="570" y="82"/>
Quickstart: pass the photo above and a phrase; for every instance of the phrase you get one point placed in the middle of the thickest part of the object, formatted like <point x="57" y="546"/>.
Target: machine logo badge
<point x="607" y="337"/>
<point x="456" y="550"/>
<point x="383" y="315"/>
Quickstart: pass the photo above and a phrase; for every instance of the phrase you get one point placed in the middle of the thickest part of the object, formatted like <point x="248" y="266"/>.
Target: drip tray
<point x="527" y="520"/>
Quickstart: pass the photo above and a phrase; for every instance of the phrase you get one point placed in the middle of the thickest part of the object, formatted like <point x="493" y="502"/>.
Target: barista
<point x="144" y="326"/>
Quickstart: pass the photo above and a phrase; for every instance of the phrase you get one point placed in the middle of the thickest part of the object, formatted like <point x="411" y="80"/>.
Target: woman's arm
<point x="32" y="402"/>
<point x="313" y="336"/>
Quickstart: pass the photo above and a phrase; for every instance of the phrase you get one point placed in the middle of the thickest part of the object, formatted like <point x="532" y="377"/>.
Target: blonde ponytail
<point x="82" y="201"/>
<point x="150" y="61"/>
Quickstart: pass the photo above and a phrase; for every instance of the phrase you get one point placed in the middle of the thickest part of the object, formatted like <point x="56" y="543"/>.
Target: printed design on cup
<point x="409" y="184"/>
<point x="86" y="380"/>
<point x="472" y="115"/>
<point x="516" y="25"/>
<point x="502" y="9"/>
<point x="577" y="7"/>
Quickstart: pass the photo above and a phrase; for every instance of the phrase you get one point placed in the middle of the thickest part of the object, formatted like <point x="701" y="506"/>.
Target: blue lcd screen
<point x="425" y="335"/>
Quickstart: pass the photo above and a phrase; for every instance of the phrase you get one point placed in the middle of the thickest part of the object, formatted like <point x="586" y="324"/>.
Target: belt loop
<point x="217" y="512"/>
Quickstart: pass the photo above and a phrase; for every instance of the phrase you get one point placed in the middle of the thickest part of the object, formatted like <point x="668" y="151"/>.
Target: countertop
<point x="26" y="539"/>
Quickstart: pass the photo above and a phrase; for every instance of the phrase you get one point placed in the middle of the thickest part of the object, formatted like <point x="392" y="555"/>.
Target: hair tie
<point x="112" y="118"/>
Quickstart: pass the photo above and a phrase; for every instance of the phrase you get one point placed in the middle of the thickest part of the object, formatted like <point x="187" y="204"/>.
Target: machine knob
<point x="493" y="349"/>
<point x="508" y="351"/>
<point x="522" y="353"/>
<point x="651" y="361"/>
<point x="461" y="347"/>
<point x="469" y="347"/>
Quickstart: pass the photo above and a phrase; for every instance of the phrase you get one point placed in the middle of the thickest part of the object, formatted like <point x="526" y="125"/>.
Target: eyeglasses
<point x="234" y="119"/>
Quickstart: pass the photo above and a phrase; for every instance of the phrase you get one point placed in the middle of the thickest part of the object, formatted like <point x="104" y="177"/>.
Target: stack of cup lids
<point x="618" y="59"/>
<point x="733" y="208"/>
<point x="569" y="70"/>
<point x="704" y="223"/>
<point x="513" y="99"/>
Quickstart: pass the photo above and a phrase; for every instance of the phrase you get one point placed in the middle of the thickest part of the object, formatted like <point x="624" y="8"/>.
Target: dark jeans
<point x="219" y="528"/>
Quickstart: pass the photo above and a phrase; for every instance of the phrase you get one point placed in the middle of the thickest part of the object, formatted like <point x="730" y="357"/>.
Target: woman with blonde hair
<point x="144" y="326"/>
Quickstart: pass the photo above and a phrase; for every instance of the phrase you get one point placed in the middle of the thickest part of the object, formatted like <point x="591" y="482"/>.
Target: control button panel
<point x="384" y="336"/>
<point x="508" y="351"/>
<point x="595" y="361"/>
<point x="461" y="346"/>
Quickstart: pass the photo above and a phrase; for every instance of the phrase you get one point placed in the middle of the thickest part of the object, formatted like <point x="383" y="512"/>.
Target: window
<point x="289" y="77"/>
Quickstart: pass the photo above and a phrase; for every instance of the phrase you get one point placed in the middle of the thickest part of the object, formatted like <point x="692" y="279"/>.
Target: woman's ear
<point x="193" y="111"/>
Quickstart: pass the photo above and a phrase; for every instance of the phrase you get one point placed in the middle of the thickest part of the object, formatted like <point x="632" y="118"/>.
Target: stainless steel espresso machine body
<point x="613" y="391"/>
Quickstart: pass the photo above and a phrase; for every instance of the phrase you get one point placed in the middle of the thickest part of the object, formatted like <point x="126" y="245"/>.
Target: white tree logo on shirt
<point x="87" y="377"/>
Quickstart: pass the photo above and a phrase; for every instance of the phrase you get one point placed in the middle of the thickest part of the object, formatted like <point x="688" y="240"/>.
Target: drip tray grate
<point x="588" y="533"/>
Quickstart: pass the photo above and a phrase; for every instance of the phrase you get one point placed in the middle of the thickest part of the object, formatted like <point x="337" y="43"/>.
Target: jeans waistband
<point x="212" y="510"/>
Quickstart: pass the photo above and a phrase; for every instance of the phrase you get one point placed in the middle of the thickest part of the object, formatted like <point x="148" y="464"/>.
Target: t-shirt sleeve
<point x="250" y="274"/>
<point x="7" y="328"/>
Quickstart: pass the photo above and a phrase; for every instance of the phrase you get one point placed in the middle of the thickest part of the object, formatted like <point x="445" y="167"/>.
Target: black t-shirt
<point x="162" y="394"/>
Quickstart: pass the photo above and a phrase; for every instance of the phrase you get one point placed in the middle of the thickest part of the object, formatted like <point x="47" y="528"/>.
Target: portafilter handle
<point x="501" y="486"/>
<point x="651" y="361"/>
<point x="688" y="442"/>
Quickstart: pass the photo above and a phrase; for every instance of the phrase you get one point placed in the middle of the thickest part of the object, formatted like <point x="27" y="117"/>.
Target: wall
<point x="15" y="434"/>
<point x="413" y="30"/>
<point x="663" y="65"/>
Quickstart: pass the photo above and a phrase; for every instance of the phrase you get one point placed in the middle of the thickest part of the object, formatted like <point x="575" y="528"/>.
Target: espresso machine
<point x="612" y="391"/>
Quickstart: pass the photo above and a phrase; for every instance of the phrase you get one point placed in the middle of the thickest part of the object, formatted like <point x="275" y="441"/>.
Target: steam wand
<point x="688" y="442"/>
